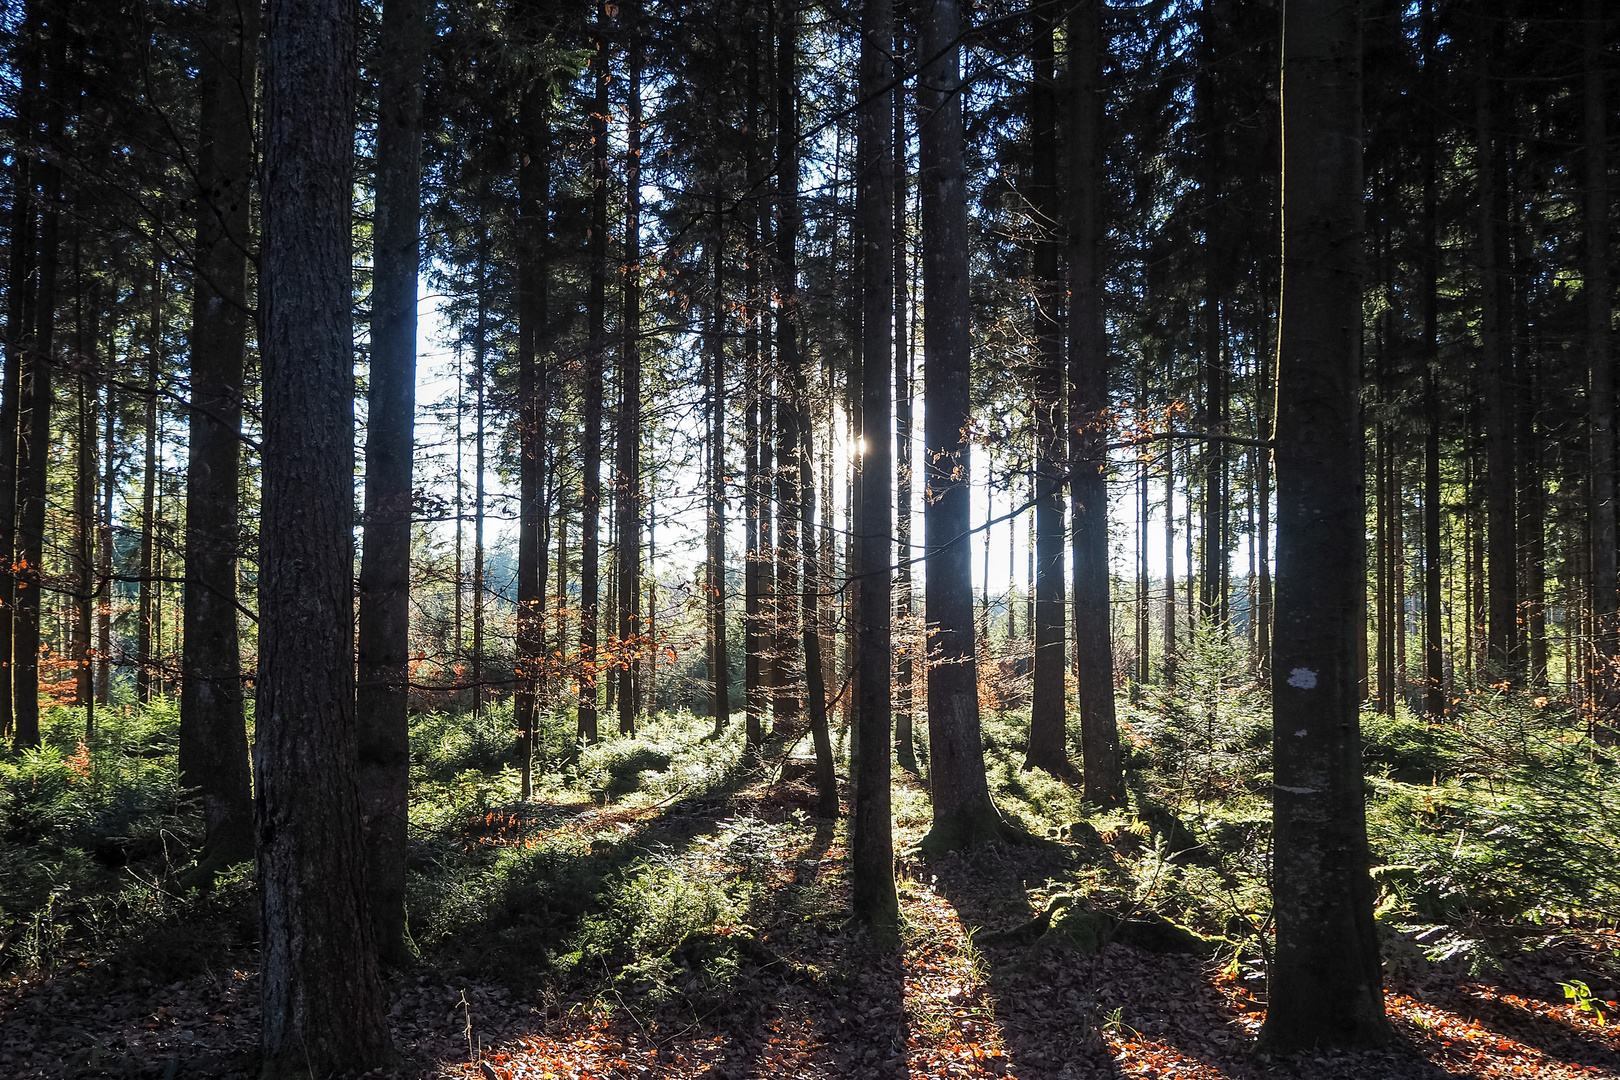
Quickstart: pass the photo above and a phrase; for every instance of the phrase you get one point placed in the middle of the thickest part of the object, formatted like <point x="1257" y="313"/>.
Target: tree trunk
<point x="383" y="688"/>
<point x="1600" y="365"/>
<point x="323" y="1005"/>
<point x="753" y="666"/>
<point x="1325" y="979"/>
<point x="19" y="335"/>
<point x="871" y="834"/>
<point x="1497" y="360"/>
<point x="37" y="398"/>
<point x="213" y="727"/>
<point x="785" y="706"/>
<point x="629" y="442"/>
<point x="534" y="182"/>
<point x="1088" y="373"/>
<point x="904" y="741"/>
<point x="1048" y="716"/>
<point x="720" y="692"/>
<point x="964" y="816"/>
<point x="595" y="355"/>
<point x="145" y="600"/>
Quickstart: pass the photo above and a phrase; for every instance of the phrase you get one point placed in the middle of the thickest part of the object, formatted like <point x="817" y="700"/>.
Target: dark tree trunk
<point x="1600" y="365"/>
<point x="213" y="724"/>
<point x="595" y="355"/>
<point x="628" y="488"/>
<point x="719" y="673"/>
<point x="383" y="690"/>
<point x="904" y="741"/>
<point x="1325" y="985"/>
<point x="149" y="480"/>
<point x="323" y="1005"/>
<point x="37" y="398"/>
<point x="534" y="182"/>
<point x="964" y="816"/>
<point x="753" y="578"/>
<point x="1049" y="714"/>
<point x="785" y="705"/>
<point x="1433" y="633"/>
<point x="19" y="336"/>
<point x="1088" y="379"/>
<point x="1497" y="361"/>
<point x="873" y="896"/>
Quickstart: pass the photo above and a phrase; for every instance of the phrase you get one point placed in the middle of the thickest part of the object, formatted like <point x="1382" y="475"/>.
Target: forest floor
<point x="777" y="984"/>
<point x="667" y="905"/>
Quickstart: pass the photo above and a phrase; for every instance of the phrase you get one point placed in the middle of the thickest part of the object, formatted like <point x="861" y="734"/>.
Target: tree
<point x="213" y="730"/>
<point x="870" y="829"/>
<point x="1325" y="979"/>
<point x="964" y="816"/>
<point x="323" y="1004"/>
<point x="1049" y="713"/>
<point x="383" y="673"/>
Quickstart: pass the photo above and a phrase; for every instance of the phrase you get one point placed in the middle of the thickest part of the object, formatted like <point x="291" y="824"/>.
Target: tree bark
<point x="382" y="692"/>
<point x="1048" y="716"/>
<point x="719" y="666"/>
<point x="149" y="481"/>
<point x="19" y="337"/>
<point x="1325" y="985"/>
<point x="964" y="815"/>
<point x="37" y="398"/>
<point x="628" y="488"/>
<point x="323" y="1005"/>
<point x="904" y="740"/>
<point x="534" y="182"/>
<point x="1501" y="532"/>
<point x="213" y="729"/>
<point x="1088" y="377"/>
<point x="873" y="895"/>
<point x="1599" y="292"/>
<point x="785" y="704"/>
<point x="595" y="356"/>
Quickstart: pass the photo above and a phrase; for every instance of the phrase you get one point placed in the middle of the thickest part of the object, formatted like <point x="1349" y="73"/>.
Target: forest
<point x="912" y="538"/>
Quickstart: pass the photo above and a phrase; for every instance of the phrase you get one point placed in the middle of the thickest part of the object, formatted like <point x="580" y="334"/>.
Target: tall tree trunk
<point x="104" y="547"/>
<point x="904" y="741"/>
<point x="720" y="692"/>
<point x="1048" y="715"/>
<point x="1325" y="978"/>
<point x="1600" y="366"/>
<point x="534" y="182"/>
<point x="785" y="704"/>
<point x="480" y="401"/>
<point x="595" y="355"/>
<point x="753" y="666"/>
<point x="323" y="1005"/>
<point x="1497" y="361"/>
<point x="145" y="600"/>
<point x="1433" y="636"/>
<point x="213" y="723"/>
<point x="37" y="398"/>
<point x="19" y="335"/>
<point x="1088" y="374"/>
<point x="964" y="815"/>
<point x="628" y="488"/>
<point x="871" y="834"/>
<point x="84" y="495"/>
<point x="383" y="688"/>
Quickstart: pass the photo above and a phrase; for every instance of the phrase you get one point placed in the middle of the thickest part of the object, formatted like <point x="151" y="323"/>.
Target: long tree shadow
<point x="1056" y="1002"/>
<point x="1506" y="1006"/>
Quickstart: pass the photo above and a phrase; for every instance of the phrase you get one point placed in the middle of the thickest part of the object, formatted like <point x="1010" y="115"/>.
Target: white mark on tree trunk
<point x="1303" y="678"/>
<point x="1295" y="790"/>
